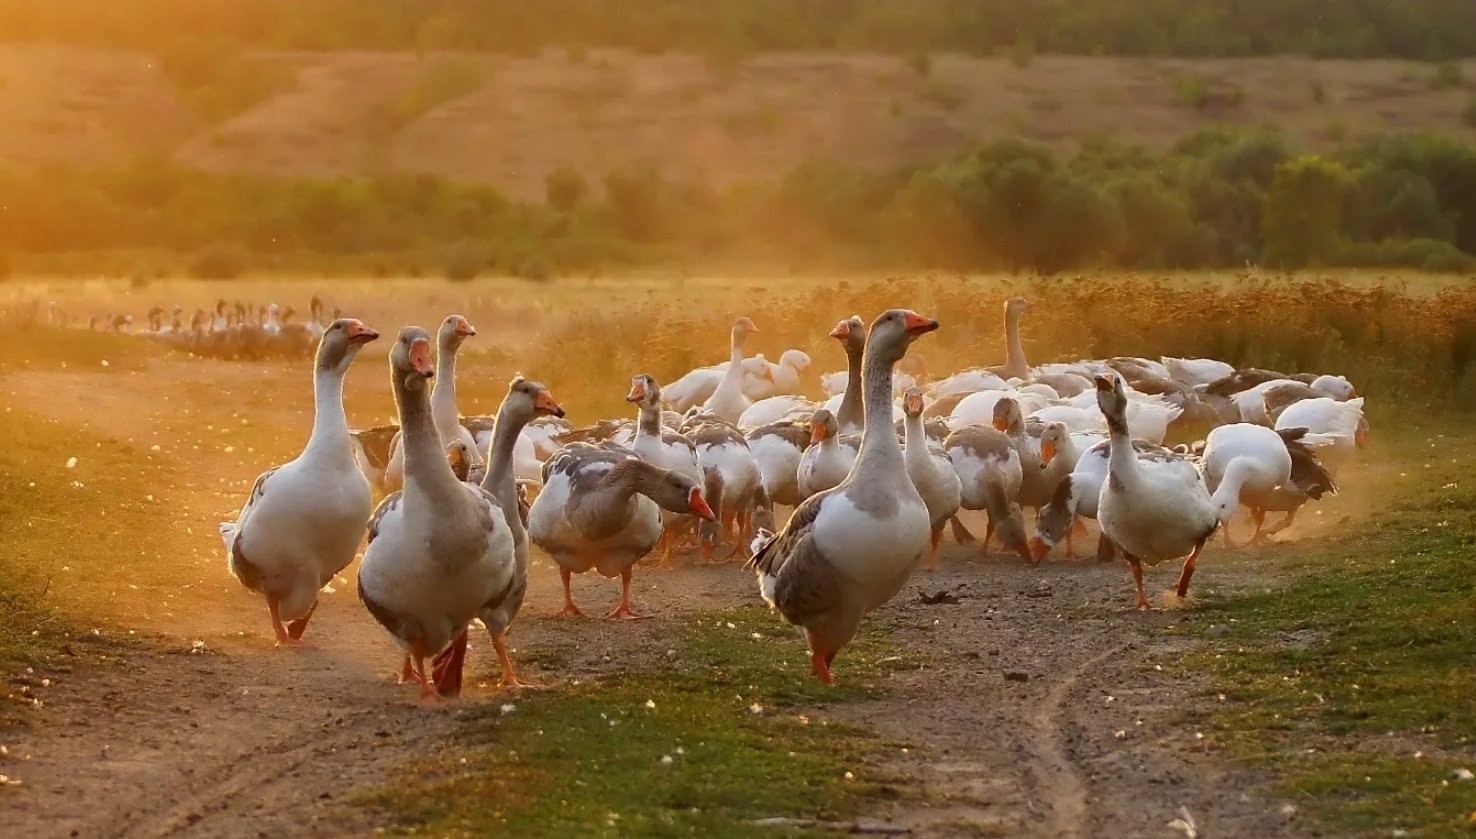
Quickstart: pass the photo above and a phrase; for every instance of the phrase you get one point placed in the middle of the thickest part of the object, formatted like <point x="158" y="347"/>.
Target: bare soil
<point x="685" y="114"/>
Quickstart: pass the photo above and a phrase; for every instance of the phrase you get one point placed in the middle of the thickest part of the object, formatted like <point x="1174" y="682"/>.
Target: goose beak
<point x="465" y="329"/>
<point x="817" y="433"/>
<point x="1103" y="383"/>
<point x="637" y="391"/>
<point x="420" y="358"/>
<point x="912" y="405"/>
<point x="699" y="505"/>
<point x="545" y="403"/>
<point x="916" y="324"/>
<point x="1037" y="550"/>
<point x="358" y="333"/>
<point x="1047" y="451"/>
<point x="842" y="331"/>
<point x="1001" y="425"/>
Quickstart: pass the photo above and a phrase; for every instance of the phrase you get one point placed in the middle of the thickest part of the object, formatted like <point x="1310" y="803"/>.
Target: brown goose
<point x="849" y="549"/>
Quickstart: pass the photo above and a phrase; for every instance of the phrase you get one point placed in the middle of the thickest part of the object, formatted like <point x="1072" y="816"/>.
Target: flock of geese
<point x="231" y="331"/>
<point x="873" y="476"/>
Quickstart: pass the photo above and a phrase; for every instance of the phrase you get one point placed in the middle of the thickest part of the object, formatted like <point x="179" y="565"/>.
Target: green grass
<point x="1356" y="684"/>
<point x="739" y="716"/>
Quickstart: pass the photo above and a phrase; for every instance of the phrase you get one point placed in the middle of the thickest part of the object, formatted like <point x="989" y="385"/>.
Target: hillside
<point x="509" y="120"/>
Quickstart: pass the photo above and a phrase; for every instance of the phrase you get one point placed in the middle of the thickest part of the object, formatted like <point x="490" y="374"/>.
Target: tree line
<point x="1218" y="198"/>
<point x="1420" y="29"/>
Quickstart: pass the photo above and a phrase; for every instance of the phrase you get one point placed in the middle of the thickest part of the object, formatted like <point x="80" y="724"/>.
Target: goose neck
<point x="499" y="480"/>
<point x="443" y="394"/>
<point x="1015" y="364"/>
<point x="426" y="469"/>
<point x="879" y="439"/>
<point x="851" y="415"/>
<point x="330" y="422"/>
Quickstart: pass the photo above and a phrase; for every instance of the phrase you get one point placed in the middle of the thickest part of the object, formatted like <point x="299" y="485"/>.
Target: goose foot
<point x="510" y="680"/>
<point x="447" y="668"/>
<point x="296" y="628"/>
<point x="1137" y="566"/>
<point x="284" y="639"/>
<point x="407" y="673"/>
<point x="625" y="613"/>
<point x="821" y="668"/>
<point x="570" y="610"/>
<point x="1188" y="571"/>
<point x="428" y="694"/>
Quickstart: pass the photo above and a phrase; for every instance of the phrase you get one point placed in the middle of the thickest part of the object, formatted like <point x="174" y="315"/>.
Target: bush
<point x="465" y="260"/>
<point x="1447" y="75"/>
<point x="564" y="189"/>
<point x="1304" y="212"/>
<point x="219" y="262"/>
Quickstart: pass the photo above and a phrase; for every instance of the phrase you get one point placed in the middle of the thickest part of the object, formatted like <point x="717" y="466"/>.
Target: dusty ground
<point x="529" y="115"/>
<point x="208" y="731"/>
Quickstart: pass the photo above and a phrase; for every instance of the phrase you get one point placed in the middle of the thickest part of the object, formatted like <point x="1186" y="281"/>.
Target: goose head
<point x="823" y="426"/>
<point x="459" y="458"/>
<point x="1112" y="399"/>
<point x="796" y="360"/>
<point x="1007" y="417"/>
<point x="410" y="357"/>
<point x="912" y="402"/>
<point x="1337" y="387"/>
<point x="644" y="391"/>
<point x="1051" y="440"/>
<point x="1016" y="306"/>
<point x="851" y="332"/>
<point x="527" y="400"/>
<point x="1054" y="519"/>
<point x="673" y="491"/>
<point x="341" y="342"/>
<point x="893" y="332"/>
<point x="454" y="330"/>
<point x="744" y="326"/>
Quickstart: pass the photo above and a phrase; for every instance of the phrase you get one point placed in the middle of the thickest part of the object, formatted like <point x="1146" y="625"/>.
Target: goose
<point x="777" y="448"/>
<point x="782" y="378"/>
<point x="723" y="449"/>
<point x="850" y="549"/>
<point x="1133" y="369"/>
<point x="440" y="551"/>
<point x="930" y="470"/>
<point x="1310" y="480"/>
<point x="1066" y="385"/>
<point x="848" y="411"/>
<point x="829" y="457"/>
<point x="1077" y="495"/>
<point x="989" y="474"/>
<point x="1245" y="463"/>
<point x="454" y="330"/>
<point x="371" y="448"/>
<point x="775" y="409"/>
<point x="1196" y="371"/>
<point x="697" y="386"/>
<point x="1154" y="505"/>
<point x="600" y="509"/>
<point x="1251" y="402"/>
<point x="303" y="520"/>
<point x="1034" y="490"/>
<point x="965" y="382"/>
<point x="1015" y="366"/>
<point x="1342" y="423"/>
<point x="660" y="446"/>
<point x="729" y="401"/>
<point x="979" y="408"/>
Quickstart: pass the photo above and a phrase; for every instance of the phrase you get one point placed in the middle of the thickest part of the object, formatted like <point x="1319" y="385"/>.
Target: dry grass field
<point x="1320" y="685"/>
<point x="512" y="120"/>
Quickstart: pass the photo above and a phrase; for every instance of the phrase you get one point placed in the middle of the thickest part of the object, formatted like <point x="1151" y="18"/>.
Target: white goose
<point x="1251" y="402"/>
<point x="661" y="447"/>
<point x="453" y="332"/>
<point x="783" y="377"/>
<point x="778" y="449"/>
<point x="930" y="470"/>
<point x="1250" y="464"/>
<point x="304" y="519"/>
<point x="1154" y="505"/>
<point x="1196" y="371"/>
<point x="441" y="551"/>
<point x="1078" y="494"/>
<point x="1341" y="422"/>
<point x="829" y="458"/>
<point x="848" y="550"/>
<point x="728" y="402"/>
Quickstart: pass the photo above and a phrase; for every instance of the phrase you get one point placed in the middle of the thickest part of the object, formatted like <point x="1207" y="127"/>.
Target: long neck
<point x="1014" y="351"/>
<point x="649" y="424"/>
<point x="733" y="376"/>
<point x="499" y="478"/>
<point x="330" y="423"/>
<point x="426" y="469"/>
<point x="1122" y="460"/>
<point x="443" y="395"/>
<point x="850" y="415"/>
<point x="917" y="440"/>
<point x="1227" y="494"/>
<point x="879" y="441"/>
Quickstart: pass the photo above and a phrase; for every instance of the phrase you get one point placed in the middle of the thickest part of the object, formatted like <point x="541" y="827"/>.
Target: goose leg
<point x="510" y="678"/>
<point x="819" y="660"/>
<point x="407" y="672"/>
<point x="988" y="535"/>
<point x="623" y="611"/>
<point x="1137" y="566"/>
<point x="447" y="668"/>
<point x="1258" y="515"/>
<point x="961" y="534"/>
<point x="1076" y="527"/>
<point x="274" y="608"/>
<point x="427" y="688"/>
<point x="296" y="628"/>
<point x="933" y="547"/>
<point x="1282" y="525"/>
<point x="570" y="610"/>
<point x="1189" y="570"/>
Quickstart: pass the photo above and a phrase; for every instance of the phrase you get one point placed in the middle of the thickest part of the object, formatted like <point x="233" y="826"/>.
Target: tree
<point x="1303" y="213"/>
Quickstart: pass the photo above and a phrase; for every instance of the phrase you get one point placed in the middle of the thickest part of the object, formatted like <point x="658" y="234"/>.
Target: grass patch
<point x="1356" y="684"/>
<point x="732" y="711"/>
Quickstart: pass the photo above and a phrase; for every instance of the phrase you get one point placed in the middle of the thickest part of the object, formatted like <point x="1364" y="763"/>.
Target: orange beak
<point x="545" y="402"/>
<point x="817" y="433"/>
<point x="454" y="456"/>
<point x="420" y="358"/>
<point x="917" y="324"/>
<point x="637" y="390"/>
<point x="1047" y="451"/>
<point x="1001" y="425"/>
<point x="699" y="505"/>
<point x="1038" y="550"/>
<point x="463" y="327"/>
<point x="841" y="331"/>
<point x="359" y="333"/>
